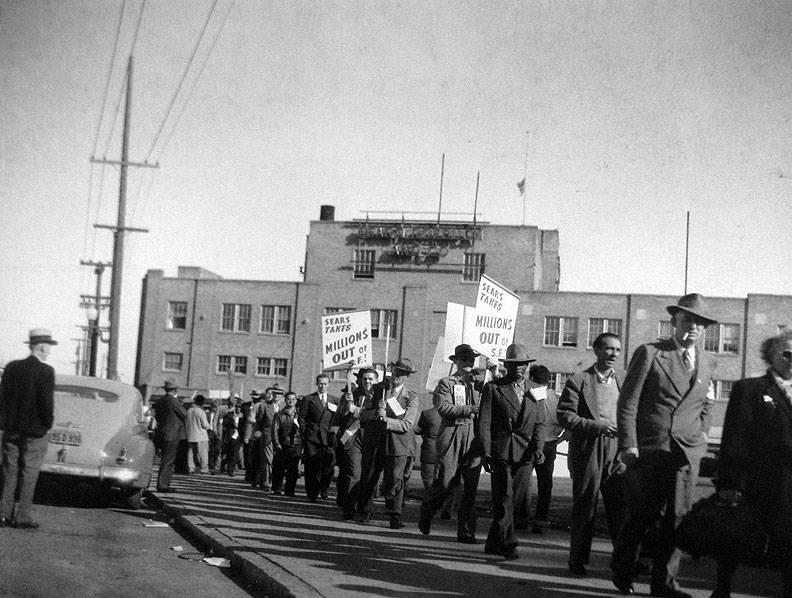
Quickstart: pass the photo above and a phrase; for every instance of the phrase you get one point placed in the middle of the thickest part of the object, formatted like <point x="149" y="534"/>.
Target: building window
<point x="722" y="389"/>
<point x="173" y="362"/>
<point x="337" y="310"/>
<point x="558" y="380"/>
<point x="272" y="366"/>
<point x="364" y="263"/>
<point x="722" y="338"/>
<point x="597" y="326"/>
<point x="383" y="323"/>
<point x="275" y="319"/>
<point x="560" y="331"/>
<point x="664" y="330"/>
<point x="234" y="363"/>
<point x="473" y="267"/>
<point x="236" y="317"/>
<point x="177" y="315"/>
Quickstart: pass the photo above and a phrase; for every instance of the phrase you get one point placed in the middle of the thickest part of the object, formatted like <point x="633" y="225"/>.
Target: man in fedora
<point x="663" y="419"/>
<point x="458" y="451"/>
<point x="27" y="411"/>
<point x="390" y="411"/>
<point x="171" y="418"/>
<point x="511" y="432"/>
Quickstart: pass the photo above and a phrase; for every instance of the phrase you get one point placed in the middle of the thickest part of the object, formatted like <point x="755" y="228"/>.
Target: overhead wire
<point x="181" y="82"/>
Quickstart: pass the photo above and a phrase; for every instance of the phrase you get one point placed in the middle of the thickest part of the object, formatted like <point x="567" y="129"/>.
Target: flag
<point x="521" y="186"/>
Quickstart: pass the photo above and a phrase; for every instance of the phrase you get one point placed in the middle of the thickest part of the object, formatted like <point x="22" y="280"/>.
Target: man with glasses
<point x="663" y="419"/>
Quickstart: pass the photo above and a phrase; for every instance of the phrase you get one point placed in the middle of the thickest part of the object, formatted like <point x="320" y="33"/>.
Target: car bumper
<point x="124" y="477"/>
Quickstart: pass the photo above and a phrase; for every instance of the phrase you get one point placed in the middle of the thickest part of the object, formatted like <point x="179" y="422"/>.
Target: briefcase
<point x="717" y="528"/>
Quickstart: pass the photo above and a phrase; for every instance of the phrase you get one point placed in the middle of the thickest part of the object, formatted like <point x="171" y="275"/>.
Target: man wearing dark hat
<point x="171" y="418"/>
<point x="458" y="452"/>
<point x="392" y="410"/>
<point x="511" y="432"/>
<point x="663" y="419"/>
<point x="26" y="414"/>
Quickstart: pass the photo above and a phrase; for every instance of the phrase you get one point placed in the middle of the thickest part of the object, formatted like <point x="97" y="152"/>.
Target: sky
<point x="625" y="116"/>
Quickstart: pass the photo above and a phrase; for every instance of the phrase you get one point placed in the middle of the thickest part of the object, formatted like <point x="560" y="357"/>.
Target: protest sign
<point x="492" y="328"/>
<point x="346" y="340"/>
<point x="458" y="327"/>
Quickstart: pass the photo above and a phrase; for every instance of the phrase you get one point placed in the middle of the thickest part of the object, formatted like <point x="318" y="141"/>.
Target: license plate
<point x="72" y="437"/>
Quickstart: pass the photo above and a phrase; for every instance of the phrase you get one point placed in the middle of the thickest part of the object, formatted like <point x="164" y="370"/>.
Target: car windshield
<point x="81" y="392"/>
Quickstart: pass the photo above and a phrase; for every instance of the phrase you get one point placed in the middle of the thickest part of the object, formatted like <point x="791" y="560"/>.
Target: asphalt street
<point x="290" y="547"/>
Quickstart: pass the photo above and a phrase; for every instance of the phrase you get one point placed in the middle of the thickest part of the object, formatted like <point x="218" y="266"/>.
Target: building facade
<point x="214" y="335"/>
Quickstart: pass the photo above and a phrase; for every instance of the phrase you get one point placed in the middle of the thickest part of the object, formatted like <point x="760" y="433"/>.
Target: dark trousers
<point x="318" y="471"/>
<point x="167" y="463"/>
<point x="286" y="464"/>
<point x="231" y="456"/>
<point x="661" y="493"/>
<point x="544" y="491"/>
<point x="22" y="459"/>
<point x="590" y="478"/>
<point x="350" y="467"/>
<point x="396" y="474"/>
<point x="262" y="473"/>
<point x="373" y="463"/>
<point x="505" y="477"/>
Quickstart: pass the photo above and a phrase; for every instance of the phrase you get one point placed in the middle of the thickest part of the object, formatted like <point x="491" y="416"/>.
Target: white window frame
<point x="664" y="326"/>
<point x="236" y="363"/>
<point x="239" y="323"/>
<point x="380" y="318"/>
<point x="558" y="380"/>
<point x="612" y="325"/>
<point x="473" y="266"/>
<point x="565" y="325"/>
<point x="280" y="314"/>
<point x="271" y="366"/>
<point x="718" y="344"/>
<point x="171" y="354"/>
<point x="174" y="307"/>
<point x="722" y="386"/>
<point x="363" y="260"/>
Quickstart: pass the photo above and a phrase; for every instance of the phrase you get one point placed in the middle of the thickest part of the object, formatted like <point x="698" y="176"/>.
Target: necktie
<point x="324" y="400"/>
<point x="686" y="359"/>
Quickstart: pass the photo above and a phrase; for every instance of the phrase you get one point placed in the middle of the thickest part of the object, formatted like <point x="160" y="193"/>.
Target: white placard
<point x="458" y="325"/>
<point x="397" y="409"/>
<point x="346" y="340"/>
<point x="492" y="329"/>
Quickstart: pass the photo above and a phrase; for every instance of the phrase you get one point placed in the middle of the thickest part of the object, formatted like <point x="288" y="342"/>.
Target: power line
<point x="181" y="82"/>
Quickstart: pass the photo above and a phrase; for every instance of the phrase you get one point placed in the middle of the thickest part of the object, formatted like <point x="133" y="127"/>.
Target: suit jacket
<point x="347" y="417"/>
<point x="453" y="414"/>
<point x="507" y="430"/>
<point x="265" y="418"/>
<point x="576" y="412"/>
<point x="27" y="404"/>
<point x="400" y="438"/>
<point x="196" y="424"/>
<point x="756" y="450"/>
<point x="659" y="404"/>
<point x="170" y="419"/>
<point x="315" y="421"/>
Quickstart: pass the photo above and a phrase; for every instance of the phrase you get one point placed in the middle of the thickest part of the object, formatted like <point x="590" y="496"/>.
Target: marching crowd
<point x="636" y="439"/>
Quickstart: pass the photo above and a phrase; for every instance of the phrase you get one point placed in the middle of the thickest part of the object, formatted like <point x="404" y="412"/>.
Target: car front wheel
<point x="133" y="499"/>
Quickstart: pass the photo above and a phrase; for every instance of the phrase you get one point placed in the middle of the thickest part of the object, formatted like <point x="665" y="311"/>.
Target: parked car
<point x="100" y="436"/>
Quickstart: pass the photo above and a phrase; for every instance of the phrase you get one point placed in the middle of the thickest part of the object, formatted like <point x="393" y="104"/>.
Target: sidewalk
<point x="292" y="548"/>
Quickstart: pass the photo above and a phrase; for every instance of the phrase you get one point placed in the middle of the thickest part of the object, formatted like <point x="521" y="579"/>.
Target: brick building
<point x="207" y="333"/>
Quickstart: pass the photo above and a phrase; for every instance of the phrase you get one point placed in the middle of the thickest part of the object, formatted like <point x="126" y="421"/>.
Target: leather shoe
<point x="467" y="540"/>
<point x="511" y="554"/>
<point x="623" y="584"/>
<point x="666" y="592"/>
<point x="396" y="522"/>
<point x="577" y="569"/>
<point x="26" y="525"/>
<point x="425" y="525"/>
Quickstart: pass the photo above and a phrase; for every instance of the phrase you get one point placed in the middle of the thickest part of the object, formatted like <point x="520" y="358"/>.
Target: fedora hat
<point x="464" y="352"/>
<point x="169" y="386"/>
<point x="40" y="335"/>
<point x="516" y="353"/>
<point x="254" y="393"/>
<point x="403" y="365"/>
<point x="695" y="304"/>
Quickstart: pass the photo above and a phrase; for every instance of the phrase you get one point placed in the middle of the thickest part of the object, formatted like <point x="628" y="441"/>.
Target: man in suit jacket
<point x="511" y="432"/>
<point x="458" y="451"/>
<point x="316" y="413"/>
<point x="171" y="418"/>
<point x="587" y="408"/>
<point x="663" y="420"/>
<point x="26" y="415"/>
<point x="349" y="449"/>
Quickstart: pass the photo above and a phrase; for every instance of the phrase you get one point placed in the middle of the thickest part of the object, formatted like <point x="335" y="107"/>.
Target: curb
<point x="255" y="568"/>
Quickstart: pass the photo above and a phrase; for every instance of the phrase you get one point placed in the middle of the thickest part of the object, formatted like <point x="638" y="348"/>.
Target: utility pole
<point x="78" y="353"/>
<point x="96" y="304"/>
<point x="118" y="232"/>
